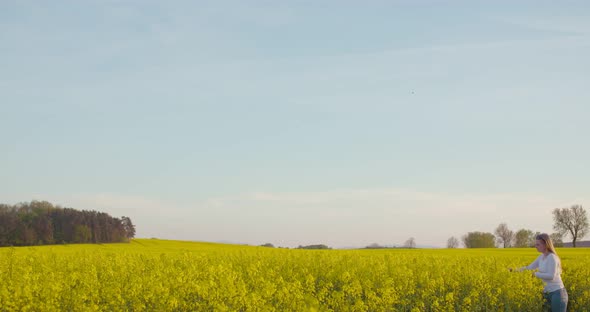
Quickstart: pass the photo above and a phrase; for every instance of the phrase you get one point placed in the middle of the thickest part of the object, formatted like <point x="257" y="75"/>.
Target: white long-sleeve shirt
<point x="549" y="271"/>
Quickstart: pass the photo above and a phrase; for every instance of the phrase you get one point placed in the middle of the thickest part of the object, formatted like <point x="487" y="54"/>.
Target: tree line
<point x="42" y="223"/>
<point x="570" y="221"/>
<point x="316" y="246"/>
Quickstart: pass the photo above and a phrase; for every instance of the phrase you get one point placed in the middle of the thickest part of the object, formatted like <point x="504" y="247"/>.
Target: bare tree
<point x="557" y="239"/>
<point x="505" y="235"/>
<point x="571" y="221"/>
<point x="452" y="242"/>
<point x="410" y="243"/>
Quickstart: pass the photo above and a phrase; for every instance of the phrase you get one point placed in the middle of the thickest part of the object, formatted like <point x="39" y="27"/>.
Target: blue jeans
<point x="556" y="301"/>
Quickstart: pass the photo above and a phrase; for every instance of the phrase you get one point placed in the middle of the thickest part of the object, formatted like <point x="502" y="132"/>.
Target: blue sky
<point x="298" y="122"/>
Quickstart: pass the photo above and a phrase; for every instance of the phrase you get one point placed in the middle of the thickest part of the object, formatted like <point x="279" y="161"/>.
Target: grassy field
<point x="159" y="275"/>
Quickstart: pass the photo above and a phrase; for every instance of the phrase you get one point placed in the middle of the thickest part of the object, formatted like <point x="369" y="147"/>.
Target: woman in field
<point x="549" y="271"/>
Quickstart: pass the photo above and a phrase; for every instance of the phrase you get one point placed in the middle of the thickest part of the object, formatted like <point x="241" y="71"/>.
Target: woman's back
<point x="550" y="271"/>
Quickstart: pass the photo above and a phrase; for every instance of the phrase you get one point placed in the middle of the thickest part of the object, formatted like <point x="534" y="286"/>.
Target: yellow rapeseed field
<point x="158" y="275"/>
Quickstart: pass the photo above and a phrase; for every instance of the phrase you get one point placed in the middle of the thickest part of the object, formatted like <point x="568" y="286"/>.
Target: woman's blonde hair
<point x="548" y="242"/>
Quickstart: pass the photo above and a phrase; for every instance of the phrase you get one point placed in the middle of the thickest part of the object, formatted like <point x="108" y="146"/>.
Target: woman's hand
<point x="534" y="274"/>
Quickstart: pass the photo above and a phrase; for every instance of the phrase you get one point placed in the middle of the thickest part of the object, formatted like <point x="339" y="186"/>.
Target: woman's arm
<point x="551" y="269"/>
<point x="532" y="266"/>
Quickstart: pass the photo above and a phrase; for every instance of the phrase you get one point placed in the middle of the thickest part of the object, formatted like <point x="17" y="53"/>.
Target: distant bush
<point x="320" y="246"/>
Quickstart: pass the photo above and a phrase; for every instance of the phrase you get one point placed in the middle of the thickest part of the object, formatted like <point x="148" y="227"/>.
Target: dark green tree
<point x="40" y="222"/>
<point x="479" y="240"/>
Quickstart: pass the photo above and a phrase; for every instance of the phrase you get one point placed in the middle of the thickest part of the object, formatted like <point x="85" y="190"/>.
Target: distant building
<point x="578" y="244"/>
